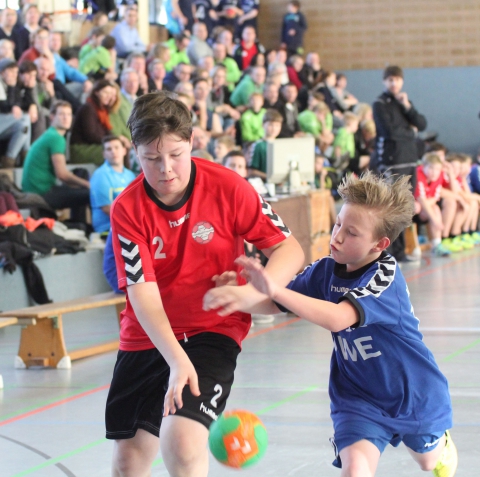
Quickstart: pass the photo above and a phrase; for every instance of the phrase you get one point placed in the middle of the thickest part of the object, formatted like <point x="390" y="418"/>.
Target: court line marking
<point x="64" y="469"/>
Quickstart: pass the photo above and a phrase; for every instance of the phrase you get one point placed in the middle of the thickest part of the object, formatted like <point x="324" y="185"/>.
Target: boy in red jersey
<point x="176" y="228"/>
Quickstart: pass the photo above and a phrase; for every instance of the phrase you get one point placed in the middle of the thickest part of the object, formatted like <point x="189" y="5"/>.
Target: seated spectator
<point x="312" y="70"/>
<point x="207" y="119"/>
<point x="474" y="176"/>
<point x="127" y="38"/>
<point x="225" y="36"/>
<point x="39" y="47"/>
<point x="427" y="195"/>
<point x="17" y="34"/>
<point x="181" y="72"/>
<point x="206" y="63"/>
<point x="204" y="11"/>
<point x="185" y="87"/>
<point x="223" y="145"/>
<point x="77" y="83"/>
<point x="473" y="199"/>
<point x="70" y="55"/>
<point x="177" y="45"/>
<point x="49" y="90"/>
<point x="233" y="73"/>
<point x="46" y="21"/>
<point x="101" y="61"/>
<point x="318" y="122"/>
<point x="329" y="80"/>
<point x="14" y="123"/>
<point x="201" y="138"/>
<point x="159" y="51"/>
<point x="344" y="142"/>
<point x="251" y="83"/>
<point x="31" y="15"/>
<point x="271" y="95"/>
<point x="93" y="40"/>
<point x="27" y="84"/>
<point x="295" y="67"/>
<point x="120" y="109"/>
<point x="272" y="125"/>
<point x="220" y="98"/>
<point x="344" y="99"/>
<point x="156" y="75"/>
<point x="7" y="49"/>
<point x="288" y="108"/>
<point x="107" y="182"/>
<point x="137" y="62"/>
<point x="248" y="47"/>
<point x="198" y="46"/>
<point x="91" y="125"/>
<point x="129" y="83"/>
<point x="251" y="122"/>
<point x="277" y="73"/>
<point x="45" y="163"/>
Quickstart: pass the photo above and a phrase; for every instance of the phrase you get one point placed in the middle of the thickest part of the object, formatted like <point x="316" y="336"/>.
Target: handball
<point x="238" y="439"/>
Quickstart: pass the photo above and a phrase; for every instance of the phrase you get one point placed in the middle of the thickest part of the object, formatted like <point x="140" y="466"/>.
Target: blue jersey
<point x="380" y="369"/>
<point x="105" y="186"/>
<point x="474" y="179"/>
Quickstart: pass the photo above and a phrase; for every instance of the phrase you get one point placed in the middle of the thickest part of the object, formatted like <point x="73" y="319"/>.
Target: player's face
<point x="433" y="171"/>
<point x="352" y="242"/>
<point x="166" y="164"/>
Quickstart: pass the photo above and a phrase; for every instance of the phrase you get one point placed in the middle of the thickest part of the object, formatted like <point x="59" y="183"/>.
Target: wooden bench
<point x="42" y="342"/>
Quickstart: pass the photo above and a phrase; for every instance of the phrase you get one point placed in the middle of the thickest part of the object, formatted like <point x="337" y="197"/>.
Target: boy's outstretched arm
<point x="331" y="316"/>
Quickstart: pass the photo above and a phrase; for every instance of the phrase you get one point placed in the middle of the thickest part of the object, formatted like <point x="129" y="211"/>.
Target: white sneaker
<point x="262" y="319"/>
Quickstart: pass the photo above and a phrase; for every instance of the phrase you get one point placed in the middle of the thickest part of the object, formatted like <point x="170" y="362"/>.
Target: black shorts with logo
<point x="140" y="382"/>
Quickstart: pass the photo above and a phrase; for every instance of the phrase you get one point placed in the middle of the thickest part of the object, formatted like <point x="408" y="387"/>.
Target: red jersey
<point x="427" y="189"/>
<point x="181" y="247"/>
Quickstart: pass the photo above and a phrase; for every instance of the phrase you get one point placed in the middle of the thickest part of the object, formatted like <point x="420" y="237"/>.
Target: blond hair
<point x="431" y="158"/>
<point x="394" y="203"/>
<point x="350" y="118"/>
<point x="460" y="157"/>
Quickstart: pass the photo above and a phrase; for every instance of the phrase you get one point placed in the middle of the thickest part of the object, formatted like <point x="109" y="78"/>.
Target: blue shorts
<point x="356" y="429"/>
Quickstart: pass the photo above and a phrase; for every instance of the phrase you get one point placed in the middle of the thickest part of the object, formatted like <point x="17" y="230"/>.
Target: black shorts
<point x="140" y="382"/>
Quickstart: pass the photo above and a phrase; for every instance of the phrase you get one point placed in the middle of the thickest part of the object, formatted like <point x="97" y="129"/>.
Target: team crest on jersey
<point x="202" y="232"/>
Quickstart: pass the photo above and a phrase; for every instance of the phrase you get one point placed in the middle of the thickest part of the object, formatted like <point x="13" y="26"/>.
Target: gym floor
<point x="51" y="421"/>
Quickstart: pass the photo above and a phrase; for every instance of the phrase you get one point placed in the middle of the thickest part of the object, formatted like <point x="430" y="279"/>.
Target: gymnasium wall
<point x="437" y="42"/>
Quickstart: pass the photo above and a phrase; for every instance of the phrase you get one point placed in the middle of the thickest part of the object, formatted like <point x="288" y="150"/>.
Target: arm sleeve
<point x="71" y="74"/>
<point x="416" y="119"/>
<point x="132" y="252"/>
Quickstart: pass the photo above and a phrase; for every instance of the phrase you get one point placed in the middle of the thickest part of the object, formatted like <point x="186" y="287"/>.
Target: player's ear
<point x="382" y="244"/>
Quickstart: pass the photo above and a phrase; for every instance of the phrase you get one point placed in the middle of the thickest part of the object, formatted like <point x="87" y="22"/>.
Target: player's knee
<point x="129" y="461"/>
<point x="356" y="469"/>
<point x="187" y="454"/>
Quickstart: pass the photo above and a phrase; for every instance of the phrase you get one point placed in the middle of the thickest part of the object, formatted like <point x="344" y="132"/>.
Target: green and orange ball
<point x="238" y="439"/>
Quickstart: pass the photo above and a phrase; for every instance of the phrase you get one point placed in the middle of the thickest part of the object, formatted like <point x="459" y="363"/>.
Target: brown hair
<point x="394" y="203"/>
<point x="110" y="138"/>
<point x="59" y="104"/>
<point x="392" y="71"/>
<point x="273" y="116"/>
<point x="156" y="115"/>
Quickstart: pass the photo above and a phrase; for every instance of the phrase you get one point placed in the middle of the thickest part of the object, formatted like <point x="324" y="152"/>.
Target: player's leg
<point x="360" y="459"/>
<point x="134" y="457"/>
<point x="183" y="442"/>
<point x="434" y="452"/>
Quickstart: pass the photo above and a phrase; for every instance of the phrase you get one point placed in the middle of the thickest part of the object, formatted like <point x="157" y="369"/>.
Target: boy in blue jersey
<point x="385" y="386"/>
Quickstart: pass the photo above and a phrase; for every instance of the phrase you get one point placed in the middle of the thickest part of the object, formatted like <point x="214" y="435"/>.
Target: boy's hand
<point x="226" y="300"/>
<point x="181" y="374"/>
<point x="255" y="274"/>
<point x="226" y="278"/>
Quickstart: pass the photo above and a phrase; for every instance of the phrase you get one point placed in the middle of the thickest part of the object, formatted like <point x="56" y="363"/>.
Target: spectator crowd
<point x="63" y="105"/>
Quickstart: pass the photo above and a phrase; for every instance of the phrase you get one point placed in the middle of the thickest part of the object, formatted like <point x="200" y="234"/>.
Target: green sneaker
<point x="463" y="241"/>
<point x="467" y="238"/>
<point x="448" y="461"/>
<point x="475" y="237"/>
<point x="450" y="246"/>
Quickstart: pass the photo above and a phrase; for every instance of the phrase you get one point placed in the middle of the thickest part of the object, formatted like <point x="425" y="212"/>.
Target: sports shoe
<point x="262" y="319"/>
<point x="441" y="251"/>
<point x="450" y="246"/>
<point x="448" y="461"/>
<point x="476" y="237"/>
<point x="463" y="241"/>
